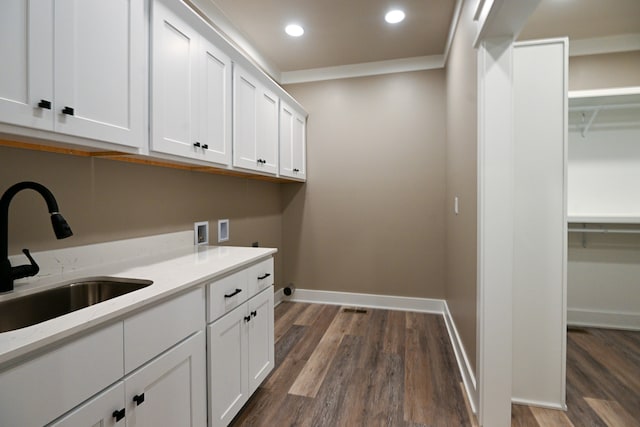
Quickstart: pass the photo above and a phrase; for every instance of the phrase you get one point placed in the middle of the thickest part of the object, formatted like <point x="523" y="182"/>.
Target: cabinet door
<point x="299" y="146"/>
<point x="227" y="364"/>
<point x="267" y="130"/>
<point x="97" y="411"/>
<point x="261" y="346"/>
<point x="292" y="143"/>
<point x="174" y="69"/>
<point x="26" y="74"/>
<point x="99" y="73"/>
<point x="171" y="389"/>
<point x="245" y="93"/>
<point x="215" y="104"/>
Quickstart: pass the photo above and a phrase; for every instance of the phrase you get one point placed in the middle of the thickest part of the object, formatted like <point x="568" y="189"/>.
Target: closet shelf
<point x="621" y="105"/>
<point x="603" y="219"/>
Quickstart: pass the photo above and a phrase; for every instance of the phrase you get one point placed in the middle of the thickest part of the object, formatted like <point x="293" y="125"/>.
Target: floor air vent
<point x="354" y="310"/>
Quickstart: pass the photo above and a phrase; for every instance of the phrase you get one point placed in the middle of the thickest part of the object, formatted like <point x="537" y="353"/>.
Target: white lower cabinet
<point x="167" y="391"/>
<point x="240" y="356"/>
<point x="146" y="370"/>
<point x="228" y="366"/>
<point x="99" y="411"/>
<point x="260" y="336"/>
<point x="170" y="390"/>
<point x="151" y="368"/>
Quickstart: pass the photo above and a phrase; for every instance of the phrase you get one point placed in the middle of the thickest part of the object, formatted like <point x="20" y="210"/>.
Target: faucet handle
<point x="26" y="270"/>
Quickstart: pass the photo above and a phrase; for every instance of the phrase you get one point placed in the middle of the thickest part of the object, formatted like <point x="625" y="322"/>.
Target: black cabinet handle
<point x="265" y="276"/>
<point x="205" y="146"/>
<point x="138" y="398"/>
<point x="44" y="104"/>
<point x="118" y="415"/>
<point x="233" y="294"/>
<point x="262" y="161"/>
<point x="196" y="144"/>
<point x="247" y="318"/>
<point x="296" y="170"/>
<point x="254" y="314"/>
<point x="68" y="111"/>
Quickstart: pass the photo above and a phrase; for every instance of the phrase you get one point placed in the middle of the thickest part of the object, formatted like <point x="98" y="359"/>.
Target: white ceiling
<point x="345" y="32"/>
<point x="340" y="32"/>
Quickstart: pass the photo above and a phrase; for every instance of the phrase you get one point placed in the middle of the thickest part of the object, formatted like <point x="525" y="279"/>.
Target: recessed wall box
<point x="223" y="230"/>
<point x="201" y="233"/>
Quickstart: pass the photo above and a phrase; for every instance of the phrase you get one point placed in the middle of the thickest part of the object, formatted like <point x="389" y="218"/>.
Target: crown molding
<point x="610" y="44"/>
<point x="417" y="63"/>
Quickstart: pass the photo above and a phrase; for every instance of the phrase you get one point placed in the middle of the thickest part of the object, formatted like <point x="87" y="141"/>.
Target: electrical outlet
<point x="201" y="233"/>
<point x="223" y="230"/>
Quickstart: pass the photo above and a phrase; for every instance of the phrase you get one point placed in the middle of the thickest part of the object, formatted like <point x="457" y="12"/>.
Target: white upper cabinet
<point x="255" y="124"/>
<point x="191" y="91"/>
<point x="26" y="79"/>
<point x="75" y="67"/>
<point x="293" y="143"/>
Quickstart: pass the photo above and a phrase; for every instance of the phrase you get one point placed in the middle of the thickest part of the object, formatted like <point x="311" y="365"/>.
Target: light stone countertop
<point x="171" y="272"/>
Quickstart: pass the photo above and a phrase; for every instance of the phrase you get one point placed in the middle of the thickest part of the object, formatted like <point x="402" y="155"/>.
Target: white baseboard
<point x="547" y="405"/>
<point x="386" y="302"/>
<point x="278" y="296"/>
<point x="603" y="319"/>
<point x="468" y="377"/>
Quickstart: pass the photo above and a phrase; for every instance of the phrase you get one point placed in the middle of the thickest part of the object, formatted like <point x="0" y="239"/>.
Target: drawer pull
<point x="68" y="111"/>
<point x="44" y="104"/>
<point x="118" y="415"/>
<point x="254" y="314"/>
<point x="265" y="276"/>
<point x="233" y="294"/>
<point x="247" y="318"/>
<point x="138" y="398"/>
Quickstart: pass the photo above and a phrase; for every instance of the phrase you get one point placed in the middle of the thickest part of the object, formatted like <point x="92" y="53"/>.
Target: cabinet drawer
<point x="260" y="276"/>
<point x="168" y="322"/>
<point x="41" y="389"/>
<point x="226" y="294"/>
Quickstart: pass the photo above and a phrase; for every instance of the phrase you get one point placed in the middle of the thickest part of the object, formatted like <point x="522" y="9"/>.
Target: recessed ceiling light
<point x="394" y="16"/>
<point x="294" y="30"/>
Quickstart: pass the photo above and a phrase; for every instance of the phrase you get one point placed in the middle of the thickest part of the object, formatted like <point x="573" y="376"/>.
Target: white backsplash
<point x="60" y="261"/>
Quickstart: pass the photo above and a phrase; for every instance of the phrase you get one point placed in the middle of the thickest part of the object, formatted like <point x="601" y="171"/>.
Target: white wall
<point x="604" y="167"/>
<point x="539" y="265"/>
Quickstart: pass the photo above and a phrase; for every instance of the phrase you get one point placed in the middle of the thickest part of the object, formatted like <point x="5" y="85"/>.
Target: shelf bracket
<point x="586" y="127"/>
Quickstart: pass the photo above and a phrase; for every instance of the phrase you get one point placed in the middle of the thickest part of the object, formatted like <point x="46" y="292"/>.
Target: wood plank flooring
<point x="341" y="368"/>
<point x="393" y="368"/>
<point x="603" y="383"/>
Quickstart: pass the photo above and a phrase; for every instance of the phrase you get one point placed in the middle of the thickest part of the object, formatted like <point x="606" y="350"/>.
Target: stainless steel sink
<point x="31" y="309"/>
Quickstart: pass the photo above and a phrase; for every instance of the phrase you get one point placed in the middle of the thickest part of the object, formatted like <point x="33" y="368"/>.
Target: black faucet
<point x="7" y="273"/>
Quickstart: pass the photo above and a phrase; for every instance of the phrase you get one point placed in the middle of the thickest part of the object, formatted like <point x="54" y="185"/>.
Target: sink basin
<point x="31" y="309"/>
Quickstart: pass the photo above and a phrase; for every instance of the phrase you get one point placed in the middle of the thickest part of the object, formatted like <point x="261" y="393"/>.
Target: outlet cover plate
<point x="223" y="230"/>
<point x="201" y="233"/>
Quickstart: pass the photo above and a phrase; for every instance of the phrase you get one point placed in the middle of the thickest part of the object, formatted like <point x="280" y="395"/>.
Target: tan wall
<point x="106" y="200"/>
<point x="604" y="71"/>
<point x="371" y="217"/>
<point x="461" y="251"/>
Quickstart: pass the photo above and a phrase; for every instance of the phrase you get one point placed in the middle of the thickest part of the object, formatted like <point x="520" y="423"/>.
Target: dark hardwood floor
<point x="336" y="367"/>
<point x="393" y="368"/>
<point x="603" y="383"/>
